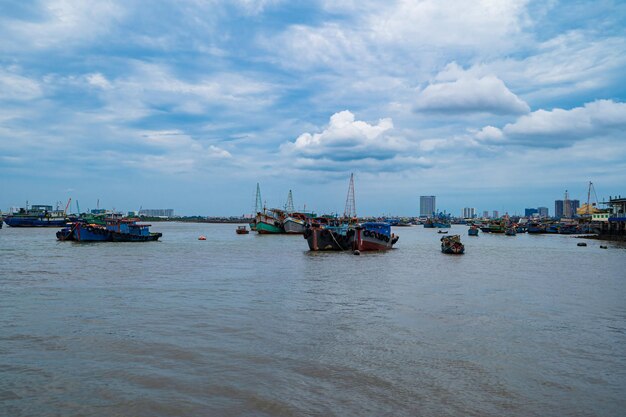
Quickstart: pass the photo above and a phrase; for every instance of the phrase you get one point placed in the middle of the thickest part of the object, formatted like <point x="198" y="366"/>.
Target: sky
<point x="496" y="105"/>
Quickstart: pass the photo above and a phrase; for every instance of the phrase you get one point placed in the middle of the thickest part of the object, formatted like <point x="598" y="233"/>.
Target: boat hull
<point x="264" y="228"/>
<point x="367" y="240"/>
<point x="320" y="239"/>
<point x="95" y="233"/>
<point x="19" y="221"/>
<point x="472" y="232"/>
<point x="294" y="227"/>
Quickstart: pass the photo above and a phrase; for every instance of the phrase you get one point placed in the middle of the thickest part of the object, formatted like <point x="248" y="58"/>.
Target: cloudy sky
<point x="497" y="105"/>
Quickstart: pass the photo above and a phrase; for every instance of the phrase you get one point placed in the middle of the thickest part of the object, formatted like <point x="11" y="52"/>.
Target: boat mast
<point x="350" y="210"/>
<point x="289" y="206"/>
<point x="258" y="205"/>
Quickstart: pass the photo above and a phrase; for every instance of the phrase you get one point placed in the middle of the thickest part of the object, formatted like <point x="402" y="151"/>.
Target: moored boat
<point x="371" y="236"/>
<point x="37" y="216"/>
<point x="295" y="223"/>
<point x="329" y="238"/>
<point x="270" y="221"/>
<point x="452" y="245"/>
<point x="242" y="230"/>
<point x="473" y="230"/>
<point x="116" y="230"/>
<point x="510" y="231"/>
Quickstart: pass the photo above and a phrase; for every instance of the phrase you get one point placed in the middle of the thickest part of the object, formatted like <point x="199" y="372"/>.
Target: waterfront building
<point x="485" y="214"/>
<point x="157" y="212"/>
<point x="469" y="212"/>
<point x="574" y="206"/>
<point x="496" y="214"/>
<point x="427" y="205"/>
<point x="530" y="211"/>
<point x="558" y="208"/>
<point x="543" y="212"/>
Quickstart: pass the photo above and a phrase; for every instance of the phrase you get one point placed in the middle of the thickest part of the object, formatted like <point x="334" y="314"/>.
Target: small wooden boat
<point x="242" y="230"/>
<point x="452" y="245"/>
<point x="202" y="238"/>
<point x="473" y="230"/>
<point x="510" y="231"/>
<point x="442" y="231"/>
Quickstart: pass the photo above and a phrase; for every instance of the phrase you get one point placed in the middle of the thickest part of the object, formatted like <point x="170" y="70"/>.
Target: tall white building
<point x="427" y="205"/>
<point x="469" y="212"/>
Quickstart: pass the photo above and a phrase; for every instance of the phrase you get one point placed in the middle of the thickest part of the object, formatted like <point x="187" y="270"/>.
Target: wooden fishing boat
<point x="242" y="230"/>
<point x="452" y="245"/>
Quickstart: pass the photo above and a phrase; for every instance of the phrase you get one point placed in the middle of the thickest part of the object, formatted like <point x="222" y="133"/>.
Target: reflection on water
<point x="257" y="325"/>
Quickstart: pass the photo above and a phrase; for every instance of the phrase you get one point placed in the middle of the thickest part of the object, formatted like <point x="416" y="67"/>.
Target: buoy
<point x="582" y="244"/>
<point x="202" y="238"/>
<point x="357" y="252"/>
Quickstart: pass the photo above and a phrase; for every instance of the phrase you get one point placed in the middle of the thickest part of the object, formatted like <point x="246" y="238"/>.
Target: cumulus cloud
<point x="461" y="92"/>
<point x="347" y="142"/>
<point x="561" y="128"/>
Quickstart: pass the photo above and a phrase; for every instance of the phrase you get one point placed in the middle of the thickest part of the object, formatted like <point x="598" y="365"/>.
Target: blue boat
<point x="37" y="216"/>
<point x="116" y="230"/>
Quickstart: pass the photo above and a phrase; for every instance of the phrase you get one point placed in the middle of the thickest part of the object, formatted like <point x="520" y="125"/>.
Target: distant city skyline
<point x="187" y="105"/>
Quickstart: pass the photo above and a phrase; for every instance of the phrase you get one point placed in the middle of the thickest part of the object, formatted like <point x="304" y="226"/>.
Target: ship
<point x="452" y="245"/>
<point x="270" y="221"/>
<point x="295" y="223"/>
<point x="473" y="230"/>
<point x="115" y="230"/>
<point x="372" y="236"/>
<point x="325" y="237"/>
<point x="38" y="216"/>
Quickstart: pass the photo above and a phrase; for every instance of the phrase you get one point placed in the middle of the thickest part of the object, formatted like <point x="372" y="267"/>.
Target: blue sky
<point x="497" y="105"/>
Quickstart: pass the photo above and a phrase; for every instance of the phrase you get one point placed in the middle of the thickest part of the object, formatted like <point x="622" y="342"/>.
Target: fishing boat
<point x="510" y="231"/>
<point x="452" y="245"/>
<point x="497" y="226"/>
<point x="535" y="228"/>
<point x="442" y="231"/>
<point x="428" y="224"/>
<point x="38" y="216"/>
<point x="329" y="238"/>
<point x="473" y="230"/>
<point x="242" y="230"/>
<point x="295" y="223"/>
<point x="372" y="236"/>
<point x="115" y="230"/>
<point x="270" y="221"/>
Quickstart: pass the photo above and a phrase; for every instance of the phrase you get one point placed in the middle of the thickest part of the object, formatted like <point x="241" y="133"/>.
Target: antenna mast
<point x="289" y="206"/>
<point x="350" y="210"/>
<point x="258" y="205"/>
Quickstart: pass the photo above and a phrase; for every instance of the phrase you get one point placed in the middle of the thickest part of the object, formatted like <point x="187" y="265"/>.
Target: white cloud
<point x="467" y="94"/>
<point x="562" y="128"/>
<point x="14" y="86"/>
<point x="62" y="23"/>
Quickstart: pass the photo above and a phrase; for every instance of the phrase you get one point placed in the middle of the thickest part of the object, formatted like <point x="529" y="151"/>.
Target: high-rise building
<point x="485" y="214"/>
<point x="469" y="212"/>
<point x="427" y="205"/>
<point x="543" y="211"/>
<point x="157" y="212"/>
<point x="530" y="211"/>
<point x="575" y="205"/>
<point x="558" y="208"/>
<point x="496" y="214"/>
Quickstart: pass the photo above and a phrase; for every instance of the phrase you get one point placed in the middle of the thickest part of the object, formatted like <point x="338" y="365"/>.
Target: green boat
<point x="270" y="222"/>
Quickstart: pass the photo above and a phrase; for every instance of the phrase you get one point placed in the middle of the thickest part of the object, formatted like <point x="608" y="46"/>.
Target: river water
<point x="249" y="325"/>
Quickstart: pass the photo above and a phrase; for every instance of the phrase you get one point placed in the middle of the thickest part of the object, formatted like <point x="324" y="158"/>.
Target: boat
<point x="473" y="230"/>
<point x="201" y="237"/>
<point x="295" y="223"/>
<point x="535" y="228"/>
<point x="37" y="216"/>
<point x="442" y="231"/>
<point x="510" y="231"/>
<point x="497" y="226"/>
<point x="242" y="230"/>
<point x="452" y="245"/>
<point x="428" y="224"/>
<point x="372" y="236"/>
<point x="270" y="221"/>
<point x="115" y="230"/>
<point x="329" y="238"/>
